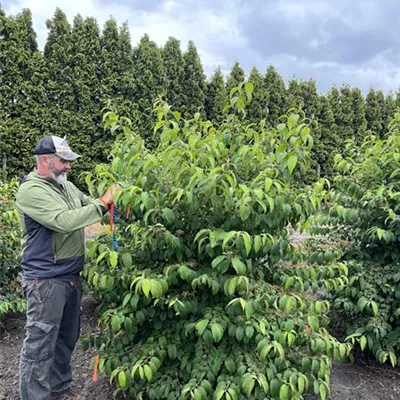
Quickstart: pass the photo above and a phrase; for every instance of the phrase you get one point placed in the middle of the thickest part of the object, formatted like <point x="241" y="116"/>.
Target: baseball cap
<point x="55" y="145"/>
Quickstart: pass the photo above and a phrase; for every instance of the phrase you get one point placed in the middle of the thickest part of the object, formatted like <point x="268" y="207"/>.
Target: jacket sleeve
<point x="39" y="204"/>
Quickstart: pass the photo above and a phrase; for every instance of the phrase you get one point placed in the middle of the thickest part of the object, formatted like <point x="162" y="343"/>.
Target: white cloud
<point x="171" y="18"/>
<point x="227" y="31"/>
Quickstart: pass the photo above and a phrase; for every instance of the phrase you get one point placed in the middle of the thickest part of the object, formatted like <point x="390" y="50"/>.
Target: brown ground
<point x="83" y="386"/>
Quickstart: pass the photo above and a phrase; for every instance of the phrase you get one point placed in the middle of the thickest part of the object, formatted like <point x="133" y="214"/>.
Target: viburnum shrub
<point x="11" y="299"/>
<point x="205" y="297"/>
<point x="365" y="212"/>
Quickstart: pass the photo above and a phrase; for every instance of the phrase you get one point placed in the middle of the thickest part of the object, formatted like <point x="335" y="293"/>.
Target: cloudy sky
<point x="333" y="41"/>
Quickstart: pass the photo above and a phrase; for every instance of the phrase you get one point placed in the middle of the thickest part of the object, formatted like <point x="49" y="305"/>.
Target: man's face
<point x="58" y="168"/>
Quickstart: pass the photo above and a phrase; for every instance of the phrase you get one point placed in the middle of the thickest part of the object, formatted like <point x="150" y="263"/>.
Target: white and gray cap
<point x="55" y="145"/>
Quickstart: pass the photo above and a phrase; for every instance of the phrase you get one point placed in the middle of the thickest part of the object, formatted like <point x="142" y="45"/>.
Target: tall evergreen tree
<point x="117" y="80"/>
<point x="256" y="110"/>
<point x="380" y="97"/>
<point x="194" y="83"/>
<point x="390" y="109"/>
<point x="333" y="98"/>
<point x="373" y="113"/>
<point x="327" y="142"/>
<point x="276" y="96"/>
<point x="59" y="78"/>
<point x="174" y="73"/>
<point x="398" y="98"/>
<point x="235" y="77"/>
<point x="346" y="125"/>
<point x="110" y="61"/>
<point x="21" y="93"/>
<point x="86" y="83"/>
<point x="359" y="120"/>
<point x="216" y="97"/>
<point x="149" y="85"/>
<point x="294" y="98"/>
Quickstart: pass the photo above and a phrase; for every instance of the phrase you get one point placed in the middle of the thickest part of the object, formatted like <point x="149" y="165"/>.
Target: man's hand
<point x="108" y="196"/>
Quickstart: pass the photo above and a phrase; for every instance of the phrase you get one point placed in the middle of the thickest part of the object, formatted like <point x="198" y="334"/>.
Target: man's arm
<point x="40" y="205"/>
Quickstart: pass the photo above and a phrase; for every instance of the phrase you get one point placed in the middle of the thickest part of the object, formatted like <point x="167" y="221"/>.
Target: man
<point x="53" y="214"/>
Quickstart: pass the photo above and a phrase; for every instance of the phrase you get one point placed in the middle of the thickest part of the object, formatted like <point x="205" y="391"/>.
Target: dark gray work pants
<point x="53" y="323"/>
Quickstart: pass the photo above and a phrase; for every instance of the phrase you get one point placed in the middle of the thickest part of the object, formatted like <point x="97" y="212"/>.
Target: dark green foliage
<point x="117" y="80"/>
<point x="216" y="97"/>
<point x="235" y="78"/>
<point x="328" y="141"/>
<point x="191" y="309"/>
<point x="303" y="96"/>
<point x="21" y="93"/>
<point x="174" y="73"/>
<point x="194" y="84"/>
<point x="365" y="214"/>
<point x="82" y="70"/>
<point x="373" y="113"/>
<point x="359" y="120"/>
<point x="276" y="96"/>
<point x="149" y="79"/>
<point x="11" y="299"/>
<point x="256" y="110"/>
<point x="86" y="84"/>
<point x="389" y="110"/>
<point x="346" y="116"/>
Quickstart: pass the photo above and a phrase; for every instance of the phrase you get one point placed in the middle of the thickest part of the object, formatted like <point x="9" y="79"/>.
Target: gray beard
<point x="62" y="178"/>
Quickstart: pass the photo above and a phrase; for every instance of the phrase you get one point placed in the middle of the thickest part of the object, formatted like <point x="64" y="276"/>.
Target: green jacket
<point x="53" y="217"/>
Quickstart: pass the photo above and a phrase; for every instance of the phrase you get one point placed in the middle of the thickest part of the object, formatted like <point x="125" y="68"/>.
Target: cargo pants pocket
<point x="39" y="343"/>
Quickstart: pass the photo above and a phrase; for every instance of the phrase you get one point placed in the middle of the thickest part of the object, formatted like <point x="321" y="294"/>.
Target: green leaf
<point x="155" y="288"/>
<point x="284" y="392"/>
<point x="201" y="326"/>
<point x="248" y="385"/>
<point x="292" y="161"/>
<point x="113" y="259"/>
<point x="146" y="287"/>
<point x="322" y="392"/>
<point x="249" y="331"/>
<point x="230" y="366"/>
<point x="247" y="242"/>
<point x="232" y="285"/>
<point x="268" y="184"/>
<point x="172" y="351"/>
<point x="148" y="373"/>
<point x="313" y="322"/>
<point x="168" y="215"/>
<point x="275" y="385"/>
<point x="375" y="309"/>
<point x="239" y="266"/>
<point x="227" y="237"/>
<point x="393" y="359"/>
<point x="127" y="260"/>
<point x="217" y="261"/>
<point x="103" y="282"/>
<point x="239" y="333"/>
<point x="122" y="379"/>
<point x="244" y="211"/>
<point x="217" y="332"/>
<point x="361" y="303"/>
<point x="257" y="243"/>
<point x="115" y="323"/>
<point x="363" y="342"/>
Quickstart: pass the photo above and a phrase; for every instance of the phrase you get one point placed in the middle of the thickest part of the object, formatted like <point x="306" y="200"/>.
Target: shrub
<point x="206" y="297"/>
<point x="366" y="213"/>
<point x="10" y="248"/>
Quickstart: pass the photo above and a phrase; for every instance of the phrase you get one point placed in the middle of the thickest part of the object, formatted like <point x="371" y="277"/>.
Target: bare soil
<point x="82" y="362"/>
